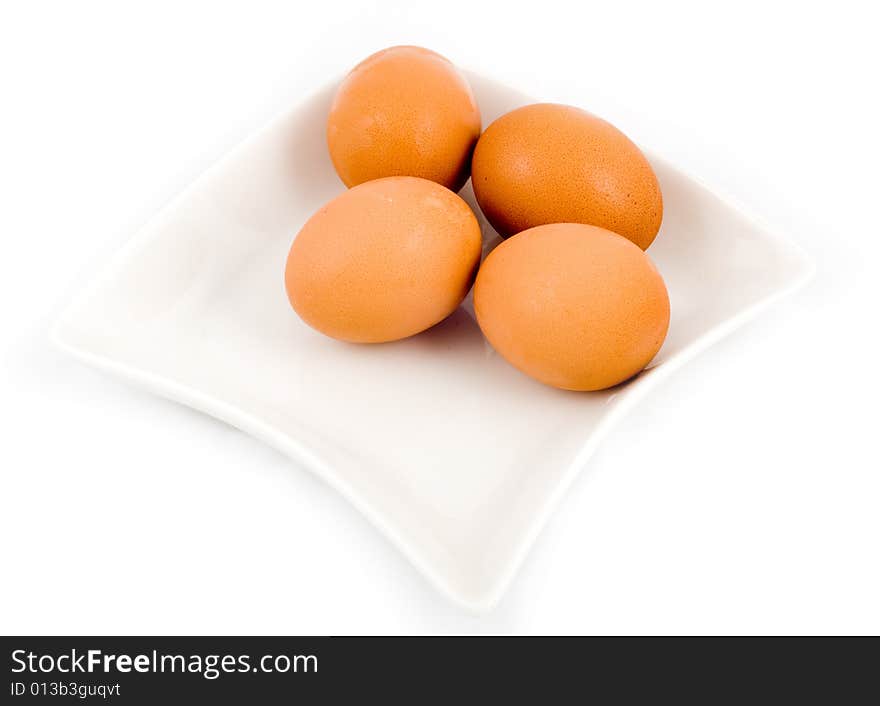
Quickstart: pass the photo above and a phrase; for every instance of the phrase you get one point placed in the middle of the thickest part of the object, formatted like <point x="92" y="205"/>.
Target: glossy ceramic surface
<point x="454" y="455"/>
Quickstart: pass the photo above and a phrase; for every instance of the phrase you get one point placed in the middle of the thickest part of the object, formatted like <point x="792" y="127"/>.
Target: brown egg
<point x="384" y="260"/>
<point x="574" y="306"/>
<point x="404" y="111"/>
<point x="548" y="163"/>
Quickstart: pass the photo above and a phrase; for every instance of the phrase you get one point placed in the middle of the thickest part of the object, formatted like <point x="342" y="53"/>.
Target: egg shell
<point x="384" y="260"/>
<point x="549" y="163"/>
<point x="404" y="111"/>
<point x="573" y="306"/>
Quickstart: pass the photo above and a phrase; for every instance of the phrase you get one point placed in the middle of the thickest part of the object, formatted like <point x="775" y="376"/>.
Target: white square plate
<point x="458" y="458"/>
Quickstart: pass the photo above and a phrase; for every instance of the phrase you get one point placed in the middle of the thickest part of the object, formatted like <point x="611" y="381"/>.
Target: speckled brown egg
<point x="404" y="111"/>
<point x="573" y="306"/>
<point x="548" y="163"/>
<point x="384" y="260"/>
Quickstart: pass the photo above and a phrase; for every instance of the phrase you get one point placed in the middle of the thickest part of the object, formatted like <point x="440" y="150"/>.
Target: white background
<point x="741" y="496"/>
